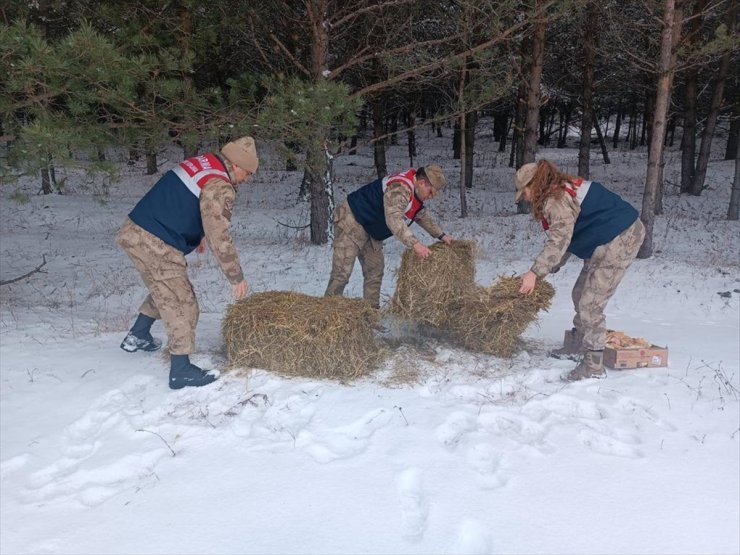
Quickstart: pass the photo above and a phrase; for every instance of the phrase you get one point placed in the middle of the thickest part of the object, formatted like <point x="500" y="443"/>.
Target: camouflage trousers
<point x="351" y="242"/>
<point x="599" y="278"/>
<point x="165" y="273"/>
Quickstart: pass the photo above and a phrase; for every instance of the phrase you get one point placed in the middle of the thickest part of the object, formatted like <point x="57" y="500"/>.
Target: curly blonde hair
<point x="548" y="181"/>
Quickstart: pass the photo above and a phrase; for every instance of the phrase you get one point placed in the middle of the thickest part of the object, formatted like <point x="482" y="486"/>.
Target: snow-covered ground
<point x="440" y="451"/>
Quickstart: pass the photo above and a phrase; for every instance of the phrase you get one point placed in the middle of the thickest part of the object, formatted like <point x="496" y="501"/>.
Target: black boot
<point x="185" y="374"/>
<point x="139" y="337"/>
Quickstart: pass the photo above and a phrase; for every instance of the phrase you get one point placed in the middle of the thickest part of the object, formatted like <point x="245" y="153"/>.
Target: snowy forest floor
<point x="439" y="451"/>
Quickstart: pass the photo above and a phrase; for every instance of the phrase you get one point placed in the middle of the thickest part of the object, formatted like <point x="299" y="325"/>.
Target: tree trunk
<point x="456" y="153"/>
<point x="515" y="122"/>
<point x="504" y="132"/>
<point x="305" y="188"/>
<point x="688" y="141"/>
<point x="517" y="144"/>
<point x="411" y="137"/>
<point x="732" y="137"/>
<point x="675" y="40"/>
<point x="133" y="155"/>
<point x="697" y="184"/>
<point x="647" y="113"/>
<point x="600" y="136"/>
<point x="734" y="209"/>
<point x="533" y="89"/>
<point x="632" y="132"/>
<point x="671" y="26"/>
<point x="671" y="131"/>
<point x="661" y="185"/>
<point x="500" y="125"/>
<point x="547" y="122"/>
<point x="617" y="124"/>
<point x="46" y="181"/>
<point x="318" y="161"/>
<point x="471" y="120"/>
<point x="151" y="162"/>
<point x="564" y="125"/>
<point x="322" y="196"/>
<point x="461" y="140"/>
<point x="517" y="139"/>
<point x="379" y="144"/>
<point x="393" y="128"/>
<point x="587" y="90"/>
<point x="290" y="160"/>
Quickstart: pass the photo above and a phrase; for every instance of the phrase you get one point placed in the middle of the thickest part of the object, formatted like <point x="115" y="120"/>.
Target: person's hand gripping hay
<point x="422" y="251"/>
<point x="425" y="287"/>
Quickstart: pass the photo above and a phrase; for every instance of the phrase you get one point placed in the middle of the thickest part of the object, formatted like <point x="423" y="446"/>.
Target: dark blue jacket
<point x="603" y="216"/>
<point x="367" y="206"/>
<point x="171" y="208"/>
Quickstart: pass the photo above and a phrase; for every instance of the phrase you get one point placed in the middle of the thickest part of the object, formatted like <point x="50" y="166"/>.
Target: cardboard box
<point x="638" y="357"/>
<point x="648" y="357"/>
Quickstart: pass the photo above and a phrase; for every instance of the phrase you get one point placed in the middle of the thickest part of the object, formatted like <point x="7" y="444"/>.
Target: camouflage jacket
<point x="561" y="215"/>
<point x="216" y="205"/>
<point x="395" y="201"/>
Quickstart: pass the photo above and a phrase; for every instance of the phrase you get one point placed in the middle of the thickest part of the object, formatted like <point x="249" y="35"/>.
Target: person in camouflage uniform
<point x="586" y="219"/>
<point x="374" y="212"/>
<point x="192" y="201"/>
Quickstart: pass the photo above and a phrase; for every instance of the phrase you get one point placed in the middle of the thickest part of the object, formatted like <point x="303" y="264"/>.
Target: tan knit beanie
<point x="243" y="153"/>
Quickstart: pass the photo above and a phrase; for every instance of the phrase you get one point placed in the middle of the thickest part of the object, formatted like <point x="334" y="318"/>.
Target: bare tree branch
<point x="367" y="9"/>
<point x="400" y="50"/>
<point x="444" y="62"/>
<point x="24" y="276"/>
<point x="299" y="227"/>
<point x="290" y="56"/>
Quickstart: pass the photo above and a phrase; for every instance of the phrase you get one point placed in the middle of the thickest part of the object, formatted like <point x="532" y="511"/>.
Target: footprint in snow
<point x="344" y="441"/>
<point x="486" y="461"/>
<point x="630" y="407"/>
<point x="570" y="407"/>
<point x="283" y="421"/>
<point x="81" y="438"/>
<point x="454" y="428"/>
<point x="93" y="484"/>
<point x="619" y="434"/>
<point x="12" y="464"/>
<point x="414" y="509"/>
<point x="522" y="430"/>
<point x="473" y="538"/>
<point x="90" y="469"/>
<point x="608" y="445"/>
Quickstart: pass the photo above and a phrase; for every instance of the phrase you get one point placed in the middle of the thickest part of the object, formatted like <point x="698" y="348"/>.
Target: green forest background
<point x="81" y="78"/>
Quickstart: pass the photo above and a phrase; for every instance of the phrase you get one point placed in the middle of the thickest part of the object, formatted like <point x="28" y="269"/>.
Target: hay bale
<point x="425" y="288"/>
<point x="300" y="335"/>
<point x="492" y="319"/>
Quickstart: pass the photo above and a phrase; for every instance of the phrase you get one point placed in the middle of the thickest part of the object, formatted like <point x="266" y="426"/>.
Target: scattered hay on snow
<point x="300" y="335"/>
<point x="440" y="294"/>
<point x="492" y="319"/>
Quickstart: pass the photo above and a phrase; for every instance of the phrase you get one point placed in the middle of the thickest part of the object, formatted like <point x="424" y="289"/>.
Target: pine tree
<point x="63" y="101"/>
